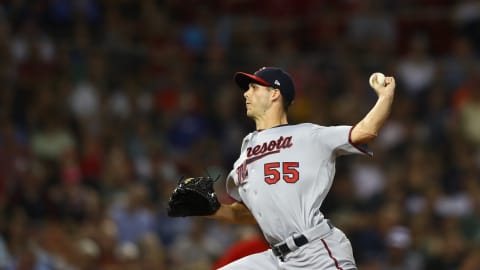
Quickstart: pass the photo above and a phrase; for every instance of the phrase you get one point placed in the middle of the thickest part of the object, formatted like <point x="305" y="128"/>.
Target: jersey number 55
<point x="288" y="171"/>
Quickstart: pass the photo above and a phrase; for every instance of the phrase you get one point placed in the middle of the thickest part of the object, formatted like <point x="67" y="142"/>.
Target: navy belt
<point x="282" y="250"/>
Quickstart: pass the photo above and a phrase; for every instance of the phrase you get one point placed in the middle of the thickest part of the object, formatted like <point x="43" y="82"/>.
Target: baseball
<point x="380" y="79"/>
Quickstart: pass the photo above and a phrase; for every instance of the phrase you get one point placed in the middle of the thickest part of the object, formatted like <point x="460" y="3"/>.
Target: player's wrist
<point x="386" y="96"/>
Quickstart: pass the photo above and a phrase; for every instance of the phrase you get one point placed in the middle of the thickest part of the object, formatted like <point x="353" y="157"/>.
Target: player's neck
<point x="269" y="121"/>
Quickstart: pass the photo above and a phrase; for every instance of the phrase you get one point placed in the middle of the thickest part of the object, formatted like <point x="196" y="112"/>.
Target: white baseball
<point x="380" y="79"/>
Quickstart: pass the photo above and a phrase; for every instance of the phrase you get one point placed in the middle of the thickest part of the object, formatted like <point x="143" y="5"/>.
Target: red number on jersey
<point x="272" y="175"/>
<point x="289" y="173"/>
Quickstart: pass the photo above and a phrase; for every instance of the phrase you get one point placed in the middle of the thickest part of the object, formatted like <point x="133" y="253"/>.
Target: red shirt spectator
<point x="241" y="249"/>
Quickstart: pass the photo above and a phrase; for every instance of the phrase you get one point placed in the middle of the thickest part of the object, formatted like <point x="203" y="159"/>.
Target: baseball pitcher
<point x="284" y="173"/>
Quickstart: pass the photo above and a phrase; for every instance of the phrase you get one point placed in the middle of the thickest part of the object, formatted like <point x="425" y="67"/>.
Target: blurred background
<point x="105" y="104"/>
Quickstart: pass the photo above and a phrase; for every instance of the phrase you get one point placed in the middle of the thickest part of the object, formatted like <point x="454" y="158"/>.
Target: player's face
<point x="258" y="99"/>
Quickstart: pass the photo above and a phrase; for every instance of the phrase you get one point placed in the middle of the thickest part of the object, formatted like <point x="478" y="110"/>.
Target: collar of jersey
<point x="282" y="125"/>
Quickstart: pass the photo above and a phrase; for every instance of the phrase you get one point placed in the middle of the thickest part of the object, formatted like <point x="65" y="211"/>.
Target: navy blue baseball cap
<point x="268" y="76"/>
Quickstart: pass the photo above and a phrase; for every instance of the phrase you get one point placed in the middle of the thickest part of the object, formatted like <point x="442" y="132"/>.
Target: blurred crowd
<point x="106" y="104"/>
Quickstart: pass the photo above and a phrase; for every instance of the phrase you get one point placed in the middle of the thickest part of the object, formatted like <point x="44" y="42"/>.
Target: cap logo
<point x="276" y="82"/>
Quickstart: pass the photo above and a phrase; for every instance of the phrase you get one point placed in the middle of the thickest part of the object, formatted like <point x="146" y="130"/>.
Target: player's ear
<point x="275" y="94"/>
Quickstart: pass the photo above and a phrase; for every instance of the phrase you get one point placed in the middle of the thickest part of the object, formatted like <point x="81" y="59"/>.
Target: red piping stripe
<point x="356" y="146"/>
<point x="331" y="256"/>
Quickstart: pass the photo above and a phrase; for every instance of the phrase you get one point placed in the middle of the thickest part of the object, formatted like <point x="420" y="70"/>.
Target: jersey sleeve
<point x="232" y="187"/>
<point x="232" y="181"/>
<point x="337" y="140"/>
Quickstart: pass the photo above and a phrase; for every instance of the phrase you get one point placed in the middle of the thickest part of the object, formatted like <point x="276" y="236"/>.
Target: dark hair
<point x="286" y="103"/>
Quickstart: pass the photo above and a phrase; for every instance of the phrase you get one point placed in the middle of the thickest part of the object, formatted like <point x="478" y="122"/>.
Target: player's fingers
<point x="390" y="82"/>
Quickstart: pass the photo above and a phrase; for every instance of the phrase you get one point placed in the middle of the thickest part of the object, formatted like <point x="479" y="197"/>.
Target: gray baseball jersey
<point x="284" y="173"/>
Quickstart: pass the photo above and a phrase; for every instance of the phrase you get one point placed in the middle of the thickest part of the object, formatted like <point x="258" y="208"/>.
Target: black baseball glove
<point x="193" y="197"/>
